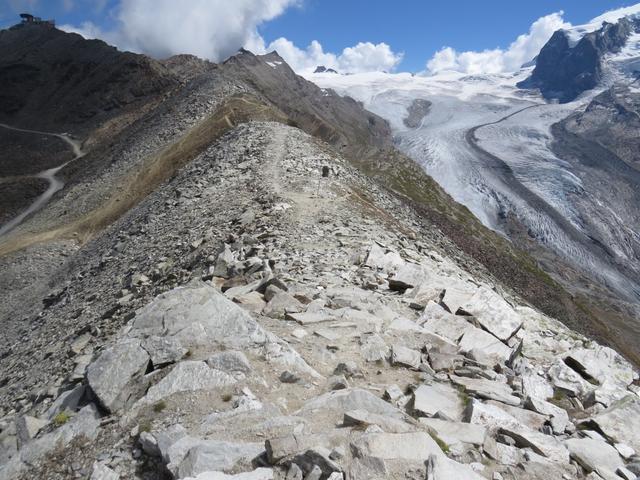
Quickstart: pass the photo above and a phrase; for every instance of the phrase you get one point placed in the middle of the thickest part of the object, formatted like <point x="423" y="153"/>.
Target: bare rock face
<point x="112" y="376"/>
<point x="594" y="455"/>
<point x="188" y="376"/>
<point x="388" y="446"/>
<point x="563" y="71"/>
<point x="620" y="421"/>
<point x="418" y="109"/>
<point x="493" y="313"/>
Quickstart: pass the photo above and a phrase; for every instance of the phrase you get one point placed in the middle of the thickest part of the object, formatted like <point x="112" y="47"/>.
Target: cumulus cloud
<point x="216" y="29"/>
<point x="363" y="57"/>
<point x="212" y="29"/>
<point x="498" y="60"/>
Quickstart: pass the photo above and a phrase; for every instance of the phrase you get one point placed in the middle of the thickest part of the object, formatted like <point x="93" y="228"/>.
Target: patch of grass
<point x="464" y="397"/>
<point x="559" y="397"/>
<point x="226" y="397"/>
<point x="441" y="443"/>
<point x="159" y="406"/>
<point x="144" y="426"/>
<point x="61" y="418"/>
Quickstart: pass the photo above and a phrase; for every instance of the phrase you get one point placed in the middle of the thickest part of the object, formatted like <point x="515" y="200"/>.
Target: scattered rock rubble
<point x="326" y="337"/>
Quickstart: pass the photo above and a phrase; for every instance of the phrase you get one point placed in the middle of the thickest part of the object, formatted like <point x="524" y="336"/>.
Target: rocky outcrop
<point x="418" y="109"/>
<point x="563" y="70"/>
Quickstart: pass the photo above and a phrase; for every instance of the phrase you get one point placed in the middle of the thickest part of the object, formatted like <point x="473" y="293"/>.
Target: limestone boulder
<point x="443" y="468"/>
<point x="437" y="320"/>
<point x="456" y="432"/>
<point x="621" y="421"/>
<point x="113" y="375"/>
<point x="341" y="401"/>
<point x="257" y="474"/>
<point x="188" y="376"/>
<point x="438" y="397"/>
<point x="594" y="455"/>
<point x="493" y="313"/>
<point x="415" y="446"/>
<point x="601" y="364"/>
<point x="487" y="389"/>
<point x="475" y="339"/>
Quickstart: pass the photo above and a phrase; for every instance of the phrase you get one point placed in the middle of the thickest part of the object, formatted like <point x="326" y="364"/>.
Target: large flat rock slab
<point x="257" y="474"/>
<point x="456" y="432"/>
<point x="437" y="320"/>
<point x="341" y="401"/>
<point x="188" y="376"/>
<point x="477" y="339"/>
<point x="621" y="421"/>
<point x="443" y="468"/>
<point x="438" y="397"/>
<point x="602" y="364"/>
<point x="488" y="389"/>
<point x="199" y="315"/>
<point x="594" y="455"/>
<point x="414" y="446"/>
<point x="493" y="313"/>
<point x="545" y="445"/>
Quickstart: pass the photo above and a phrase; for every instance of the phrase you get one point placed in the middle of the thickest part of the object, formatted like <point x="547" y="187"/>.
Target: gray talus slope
<point x="252" y="323"/>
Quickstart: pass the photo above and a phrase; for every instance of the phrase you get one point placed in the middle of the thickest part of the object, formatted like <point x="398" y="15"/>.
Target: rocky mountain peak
<point x="564" y="70"/>
<point x="323" y="69"/>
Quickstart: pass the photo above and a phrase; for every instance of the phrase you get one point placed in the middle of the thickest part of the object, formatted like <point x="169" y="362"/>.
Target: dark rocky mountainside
<point x="563" y="71"/>
<point x="52" y="79"/>
<point x="613" y="120"/>
<point x="601" y="143"/>
<point x="338" y="120"/>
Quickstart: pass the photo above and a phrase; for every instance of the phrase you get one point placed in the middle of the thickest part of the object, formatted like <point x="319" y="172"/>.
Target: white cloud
<point x="498" y="60"/>
<point x="212" y="29"/>
<point x="215" y="29"/>
<point x="363" y="57"/>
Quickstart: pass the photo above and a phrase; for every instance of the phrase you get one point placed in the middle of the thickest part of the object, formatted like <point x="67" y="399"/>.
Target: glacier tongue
<point x="503" y="167"/>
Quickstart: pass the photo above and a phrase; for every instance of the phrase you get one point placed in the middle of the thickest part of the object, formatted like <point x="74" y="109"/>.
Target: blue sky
<point x="418" y="29"/>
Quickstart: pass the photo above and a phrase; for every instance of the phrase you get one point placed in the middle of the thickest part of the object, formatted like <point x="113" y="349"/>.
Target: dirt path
<point x="55" y="184"/>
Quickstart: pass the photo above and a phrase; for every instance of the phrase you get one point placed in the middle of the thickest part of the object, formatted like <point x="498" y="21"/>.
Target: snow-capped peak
<point x="575" y="33"/>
